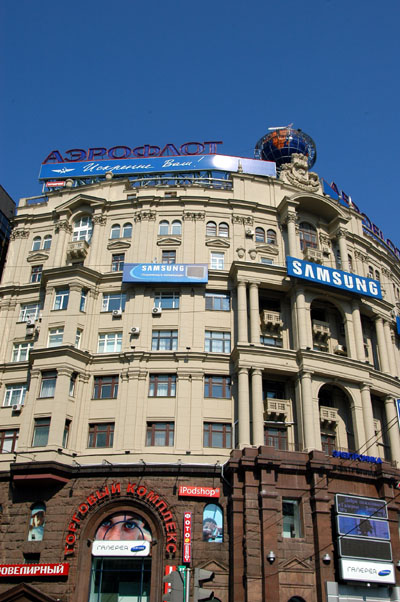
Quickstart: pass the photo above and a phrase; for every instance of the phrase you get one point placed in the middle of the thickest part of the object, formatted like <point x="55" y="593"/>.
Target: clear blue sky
<point x="88" y="73"/>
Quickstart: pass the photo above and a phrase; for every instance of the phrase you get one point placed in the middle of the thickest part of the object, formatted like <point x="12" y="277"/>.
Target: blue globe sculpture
<point x="280" y="144"/>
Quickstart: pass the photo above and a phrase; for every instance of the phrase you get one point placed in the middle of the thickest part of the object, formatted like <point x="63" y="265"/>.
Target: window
<point x="72" y="384"/>
<point x="30" y="311"/>
<point x="110" y="342"/>
<point x="271" y="237"/>
<point x="270" y="341"/>
<point x="8" y="441"/>
<point x="37" y="241"/>
<point x="127" y="230"/>
<point x="113" y="301"/>
<point x="115" y="231"/>
<point x="117" y="262"/>
<point x="308" y="236"/>
<point x="176" y="228"/>
<point x="66" y="433"/>
<point x="213" y="522"/>
<point x="15" y="394"/>
<point x="328" y="441"/>
<point x="48" y="386"/>
<point x="160" y="434"/>
<point x="61" y="299"/>
<point x="101" y="435"/>
<point x="41" y="432"/>
<point x="167" y="300"/>
<point x="163" y="228"/>
<point x="260" y="235"/>
<point x="36" y="273"/>
<point x="223" y="230"/>
<point x="162" y="385"/>
<point x="217" y="386"/>
<point x="84" y="294"/>
<point x="377" y="275"/>
<point x="21" y="352"/>
<point x="291" y="518"/>
<point x="105" y="387"/>
<point x="78" y="338"/>
<point x="217" y="260"/>
<point x="211" y="229"/>
<point x="56" y="337"/>
<point x="350" y="261"/>
<point x="218" y="301"/>
<point x="164" y="340"/>
<point x="267" y="260"/>
<point x="370" y="271"/>
<point x="217" y="435"/>
<point x="36" y="522"/>
<point x="275" y="437"/>
<point x="83" y="229"/>
<point x="218" y="342"/>
<point x="47" y="242"/>
<point x="168" y="257"/>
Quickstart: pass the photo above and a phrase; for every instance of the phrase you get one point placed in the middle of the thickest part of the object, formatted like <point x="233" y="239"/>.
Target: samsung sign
<point x="320" y="274"/>
<point x="371" y="572"/>
<point x="175" y="273"/>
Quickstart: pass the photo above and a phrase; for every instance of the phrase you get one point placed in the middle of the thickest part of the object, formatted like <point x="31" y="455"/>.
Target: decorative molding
<point x="63" y="224"/>
<point x="99" y="220"/>
<point x="145" y="215"/>
<point x="361" y="256"/>
<point x="324" y="239"/>
<point x="253" y="253"/>
<point x="19" y="233"/>
<point x="241" y="219"/>
<point x="33" y="256"/>
<point x="241" y="252"/>
<point x="194" y="216"/>
<point x="115" y="245"/>
<point x="219" y="243"/>
<point x="297" y="174"/>
<point x="265" y="248"/>
<point x="167" y="241"/>
<point x="341" y="233"/>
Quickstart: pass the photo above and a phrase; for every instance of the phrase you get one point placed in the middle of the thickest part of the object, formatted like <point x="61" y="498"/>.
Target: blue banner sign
<point x="398" y="324"/>
<point x="363" y="527"/>
<point x="320" y="274"/>
<point x="176" y="273"/>
<point x="360" y="506"/>
<point x="353" y="456"/>
<point x="91" y="169"/>
<point x="398" y="410"/>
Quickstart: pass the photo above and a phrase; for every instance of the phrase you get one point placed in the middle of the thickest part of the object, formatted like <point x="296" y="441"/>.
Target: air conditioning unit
<point x="116" y="313"/>
<point x="135" y="330"/>
<point x="156" y="310"/>
<point x="17" y="407"/>
<point x="249" y="232"/>
<point x="340" y="350"/>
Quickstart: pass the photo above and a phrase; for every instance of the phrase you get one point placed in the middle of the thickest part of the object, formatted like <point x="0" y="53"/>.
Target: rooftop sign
<point x="320" y="274"/>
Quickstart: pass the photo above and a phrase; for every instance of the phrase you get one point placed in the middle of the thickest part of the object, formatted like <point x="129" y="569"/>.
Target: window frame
<point x="117" y="262"/>
<point x="294" y="525"/>
<point x="223" y="230"/>
<point x="41" y="426"/>
<point x="214" y="337"/>
<point x="212" y="298"/>
<point x="163" y="336"/>
<point x="15" y="394"/>
<point x="83" y="232"/>
<point x="101" y="385"/>
<point x="54" y="335"/>
<point x="127" y="229"/>
<point x="259" y="234"/>
<point x="276" y="437"/>
<point x="211" y="228"/>
<point x="163" y="228"/>
<point x="49" y="379"/>
<point x="114" y="339"/>
<point x="118" y="298"/>
<point x="210" y="435"/>
<point x="61" y="299"/>
<point x="36" y="274"/>
<point x="97" y="429"/>
<point x="162" y="385"/>
<point x="115" y="232"/>
<point x="18" y="350"/>
<point x="271" y="237"/>
<point x="25" y="312"/>
<point x="162" y="296"/>
<point x="176" y="224"/>
<point x="47" y="240"/>
<point x="83" y="300"/>
<point x="7" y="435"/>
<point x="308" y="236"/>
<point x="168" y="256"/>
<point x="212" y="386"/>
<point x="155" y="429"/>
<point x="217" y="260"/>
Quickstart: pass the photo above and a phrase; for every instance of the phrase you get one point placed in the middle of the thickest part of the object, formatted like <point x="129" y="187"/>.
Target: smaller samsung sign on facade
<point x="189" y="273"/>
<point x="320" y="274"/>
<point x="370" y="572"/>
<point x="121" y="548"/>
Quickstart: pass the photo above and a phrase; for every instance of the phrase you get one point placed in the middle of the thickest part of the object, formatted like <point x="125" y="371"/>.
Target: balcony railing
<point x="77" y="249"/>
<point x="329" y="416"/>
<point x="276" y="409"/>
<point x="321" y="329"/>
<point x="314" y="255"/>
<point x="271" y="319"/>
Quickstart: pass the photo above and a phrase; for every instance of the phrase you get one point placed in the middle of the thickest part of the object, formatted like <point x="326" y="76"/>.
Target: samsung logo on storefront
<point x="335" y="278"/>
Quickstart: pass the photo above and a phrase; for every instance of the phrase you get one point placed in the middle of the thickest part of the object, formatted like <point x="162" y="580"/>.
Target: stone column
<point x="382" y="351"/>
<point x="94" y="255"/>
<point x="358" y="333"/>
<point x="242" y="312"/>
<point x="62" y="227"/>
<point x="254" y="314"/>
<point x="258" y="408"/>
<point x="389" y="348"/>
<point x="307" y="411"/>
<point x="303" y="323"/>
<point x="291" y="222"/>
<point x="341" y="237"/>
<point x="393" y="429"/>
<point x="370" y="443"/>
<point x="244" y="408"/>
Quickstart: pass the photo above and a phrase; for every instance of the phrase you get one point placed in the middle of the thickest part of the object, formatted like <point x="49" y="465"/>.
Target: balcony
<point x="329" y="417"/>
<point x="276" y="409"/>
<point x="314" y="255"/>
<point x="271" y="319"/>
<point x="321" y="330"/>
<point x="77" y="249"/>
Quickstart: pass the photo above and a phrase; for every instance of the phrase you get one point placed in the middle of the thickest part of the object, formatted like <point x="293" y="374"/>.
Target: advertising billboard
<point x="360" y="506"/>
<point x="362" y="570"/>
<point x="176" y="273"/>
<point x="363" y="527"/>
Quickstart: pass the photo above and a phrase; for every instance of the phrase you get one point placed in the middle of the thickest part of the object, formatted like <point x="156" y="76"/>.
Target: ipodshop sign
<point x="194" y="491"/>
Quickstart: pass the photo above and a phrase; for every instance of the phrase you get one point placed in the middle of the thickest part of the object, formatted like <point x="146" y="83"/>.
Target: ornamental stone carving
<point x="253" y="253"/>
<point x="144" y="215"/>
<point x="241" y="252"/>
<point x="241" y="219"/>
<point x="297" y="174"/>
<point x="360" y="256"/>
<point x="63" y="224"/>
<point x="100" y="220"/>
<point x="341" y="233"/>
<point x="325" y="240"/>
<point x="19" y="233"/>
<point x="194" y="216"/>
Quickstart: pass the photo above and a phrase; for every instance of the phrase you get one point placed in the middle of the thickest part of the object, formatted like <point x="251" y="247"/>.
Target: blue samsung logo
<point x="384" y="573"/>
<point x="336" y="278"/>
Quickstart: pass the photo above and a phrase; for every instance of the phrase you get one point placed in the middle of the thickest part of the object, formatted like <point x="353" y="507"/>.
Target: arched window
<point x="308" y="236"/>
<point x="211" y="229"/>
<point x="176" y="227"/>
<point x="377" y="275"/>
<point x="350" y="260"/>
<point x="115" y="231"/>
<point x="47" y="242"/>
<point x="223" y="230"/>
<point x="36" y="522"/>
<point x="83" y="228"/>
<point x="260" y="235"/>
<point x="127" y="230"/>
<point x="36" y="243"/>
<point x="213" y="523"/>
<point x="163" y="228"/>
<point x="271" y="237"/>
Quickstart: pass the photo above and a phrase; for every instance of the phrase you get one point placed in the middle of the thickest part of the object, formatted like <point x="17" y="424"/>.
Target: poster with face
<point x="36" y="523"/>
<point x="123" y="526"/>
<point x="213" y="524"/>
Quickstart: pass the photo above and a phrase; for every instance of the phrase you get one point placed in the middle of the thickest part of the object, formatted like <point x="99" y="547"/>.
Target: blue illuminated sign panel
<point x="363" y="527"/>
<point x="175" y="273"/>
<point x="360" y="506"/>
<point x="87" y="169"/>
<point x="320" y="274"/>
